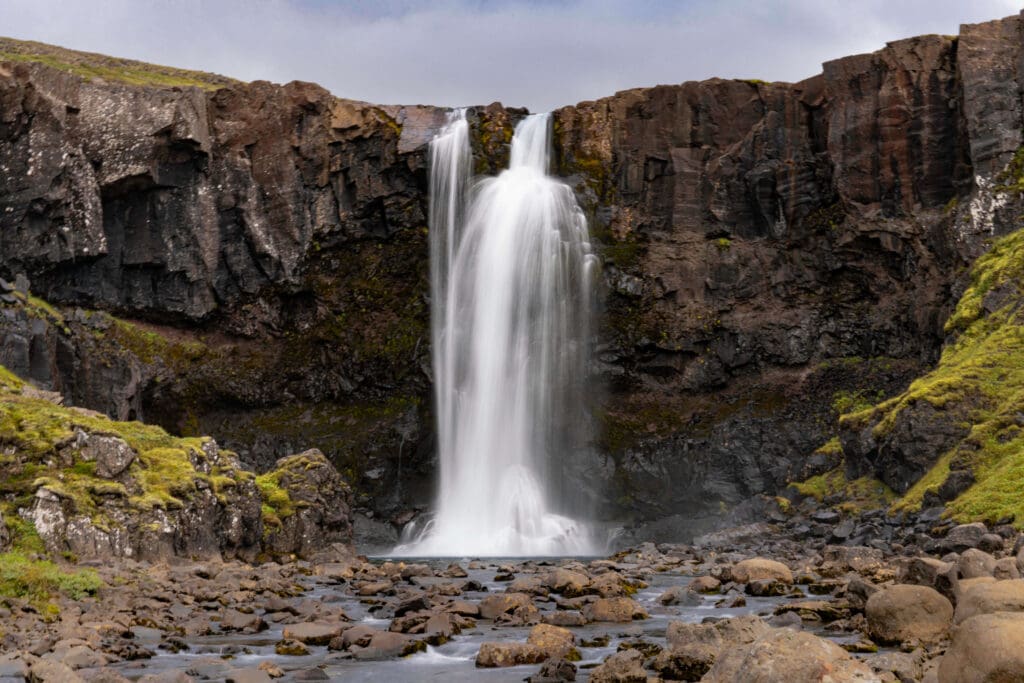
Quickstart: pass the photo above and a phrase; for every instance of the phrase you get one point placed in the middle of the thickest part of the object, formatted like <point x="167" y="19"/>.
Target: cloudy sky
<point x="458" y="52"/>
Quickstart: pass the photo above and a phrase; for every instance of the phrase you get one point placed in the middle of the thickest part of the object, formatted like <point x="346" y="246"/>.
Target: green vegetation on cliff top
<point x="92" y="66"/>
<point x="979" y="382"/>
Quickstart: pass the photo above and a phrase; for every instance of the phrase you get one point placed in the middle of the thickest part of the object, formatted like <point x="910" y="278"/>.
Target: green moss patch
<point x="859" y="495"/>
<point x="41" y="580"/>
<point x="37" y="439"/>
<point x="91" y="66"/>
<point x="979" y="381"/>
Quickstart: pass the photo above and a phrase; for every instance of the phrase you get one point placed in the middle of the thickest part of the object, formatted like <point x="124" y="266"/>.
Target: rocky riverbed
<point x="925" y="601"/>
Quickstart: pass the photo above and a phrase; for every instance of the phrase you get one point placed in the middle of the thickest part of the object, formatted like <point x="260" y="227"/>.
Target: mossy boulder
<point x="76" y="482"/>
<point x="307" y="505"/>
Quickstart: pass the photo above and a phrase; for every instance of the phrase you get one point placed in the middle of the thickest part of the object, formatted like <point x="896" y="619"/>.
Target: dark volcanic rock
<point x="323" y="502"/>
<point x="760" y="242"/>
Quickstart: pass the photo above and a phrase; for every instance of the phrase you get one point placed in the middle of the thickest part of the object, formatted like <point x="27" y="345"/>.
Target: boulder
<point x="111" y="454"/>
<point x="313" y="633"/>
<point x="905" y="613"/>
<point x="760" y="568"/>
<point x="386" y="644"/>
<point x="553" y="641"/>
<point x="840" y="559"/>
<point x="986" y="648"/>
<point x="788" y="656"/>
<point x="962" y="537"/>
<point x="569" y="583"/>
<point x="1006" y="568"/>
<point x="693" y="648"/>
<point x="614" y="609"/>
<point x="439" y="629"/>
<point x="502" y="654"/>
<point x="564" y="617"/>
<point x="622" y="667"/>
<point x="554" y="671"/>
<point x="493" y="606"/>
<point x="322" y="502"/>
<point x="291" y="648"/>
<point x="989" y="597"/>
<point x="705" y="584"/>
<point x="681" y="595"/>
<point x="233" y="620"/>
<point x="974" y="563"/>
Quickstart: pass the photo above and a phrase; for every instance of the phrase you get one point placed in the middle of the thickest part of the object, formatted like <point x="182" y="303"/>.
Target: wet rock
<point x="705" y="584"/>
<point x="233" y="620"/>
<point x="76" y="656"/>
<point x="359" y="635"/>
<point x="253" y="675"/>
<point x="554" y="641"/>
<point x="904" y="613"/>
<point x="291" y="648"/>
<point x="313" y="633"/>
<point x="567" y="582"/>
<point x="614" y="610"/>
<point x="494" y="606"/>
<point x="621" y="667"/>
<point x="767" y="588"/>
<point x="787" y="656"/>
<point x="554" y="671"/>
<point x="564" y="617"/>
<point x="985" y="648"/>
<point x="375" y="587"/>
<point x="681" y="595"/>
<point x="502" y="654"/>
<point x="51" y="671"/>
<point x="438" y="629"/>
<point x="463" y="608"/>
<point x="385" y="645"/>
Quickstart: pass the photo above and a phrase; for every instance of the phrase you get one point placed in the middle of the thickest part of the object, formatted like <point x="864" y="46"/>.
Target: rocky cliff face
<point x="770" y="249"/>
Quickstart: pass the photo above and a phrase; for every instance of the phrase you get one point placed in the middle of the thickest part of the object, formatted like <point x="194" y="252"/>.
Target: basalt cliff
<point x="249" y="261"/>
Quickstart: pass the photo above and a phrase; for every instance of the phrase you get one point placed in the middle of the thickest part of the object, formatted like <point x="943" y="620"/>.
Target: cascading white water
<point x="512" y="287"/>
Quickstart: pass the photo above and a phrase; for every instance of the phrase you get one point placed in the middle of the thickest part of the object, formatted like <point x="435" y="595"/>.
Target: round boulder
<point x="760" y="568"/>
<point x="974" y="563"/>
<point x="987" y="648"/>
<point x="986" y="598"/>
<point x="904" y="613"/>
<point x="614" y="609"/>
<point x="553" y="641"/>
<point x="787" y="656"/>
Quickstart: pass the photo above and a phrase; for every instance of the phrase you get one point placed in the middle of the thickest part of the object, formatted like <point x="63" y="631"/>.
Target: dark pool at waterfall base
<point x="214" y="657"/>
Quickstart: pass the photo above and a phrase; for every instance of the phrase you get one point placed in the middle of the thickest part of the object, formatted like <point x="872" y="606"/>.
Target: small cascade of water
<point x="512" y="288"/>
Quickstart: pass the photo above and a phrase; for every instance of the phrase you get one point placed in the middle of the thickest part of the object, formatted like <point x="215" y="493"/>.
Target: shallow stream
<point x="213" y="657"/>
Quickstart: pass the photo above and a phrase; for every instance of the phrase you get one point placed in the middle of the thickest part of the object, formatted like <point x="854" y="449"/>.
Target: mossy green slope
<point x="978" y="382"/>
<point x="92" y="66"/>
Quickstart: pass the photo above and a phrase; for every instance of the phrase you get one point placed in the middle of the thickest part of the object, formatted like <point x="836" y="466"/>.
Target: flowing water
<point x="512" y="289"/>
<point x="215" y="656"/>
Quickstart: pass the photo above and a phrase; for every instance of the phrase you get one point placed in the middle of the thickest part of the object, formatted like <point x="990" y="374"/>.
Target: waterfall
<point x="512" y="289"/>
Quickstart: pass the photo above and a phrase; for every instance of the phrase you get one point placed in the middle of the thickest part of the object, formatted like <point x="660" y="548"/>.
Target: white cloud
<point x="540" y="55"/>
